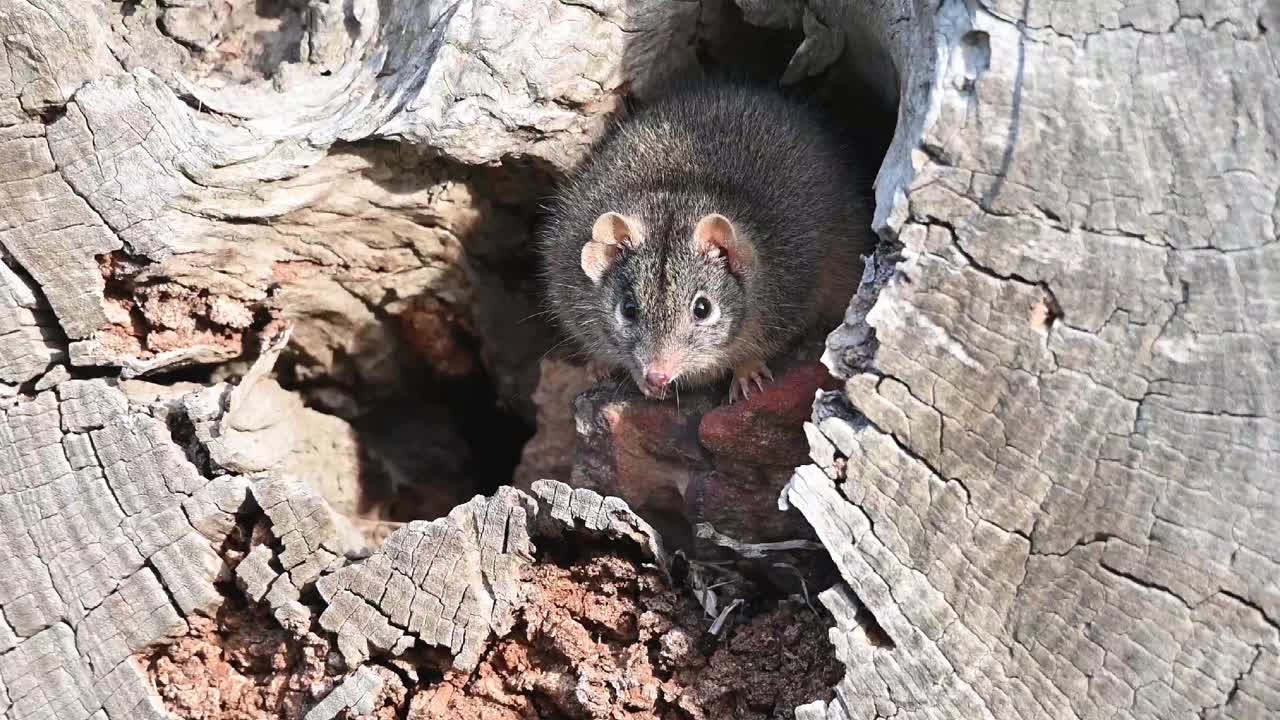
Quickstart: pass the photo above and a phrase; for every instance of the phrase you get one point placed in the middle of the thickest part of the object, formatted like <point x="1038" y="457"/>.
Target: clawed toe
<point x="744" y="377"/>
<point x="599" y="371"/>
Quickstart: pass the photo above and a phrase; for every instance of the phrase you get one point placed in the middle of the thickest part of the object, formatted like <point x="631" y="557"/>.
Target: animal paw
<point x="751" y="372"/>
<point x="599" y="371"/>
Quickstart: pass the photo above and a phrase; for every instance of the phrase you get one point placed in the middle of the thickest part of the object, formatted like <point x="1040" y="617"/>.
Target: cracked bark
<point x="1083" y="302"/>
<point x="1049" y="481"/>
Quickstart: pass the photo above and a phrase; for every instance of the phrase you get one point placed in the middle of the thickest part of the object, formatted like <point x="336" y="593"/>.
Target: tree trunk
<point x="1052" y="487"/>
<point x="1048" y="483"/>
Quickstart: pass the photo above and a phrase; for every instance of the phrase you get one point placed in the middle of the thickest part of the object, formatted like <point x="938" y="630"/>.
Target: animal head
<point x="674" y="296"/>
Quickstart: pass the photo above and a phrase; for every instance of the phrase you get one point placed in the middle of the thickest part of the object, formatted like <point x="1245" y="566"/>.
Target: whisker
<point x="617" y="387"/>
<point x="553" y="347"/>
<point x="537" y="314"/>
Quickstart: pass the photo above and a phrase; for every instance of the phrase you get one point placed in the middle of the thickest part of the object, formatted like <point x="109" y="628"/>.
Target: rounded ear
<point x="612" y="234"/>
<point x="715" y="237"/>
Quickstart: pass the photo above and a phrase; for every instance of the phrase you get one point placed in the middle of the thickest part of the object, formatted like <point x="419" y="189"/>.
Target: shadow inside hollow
<point x="437" y="387"/>
<point x="283" y="42"/>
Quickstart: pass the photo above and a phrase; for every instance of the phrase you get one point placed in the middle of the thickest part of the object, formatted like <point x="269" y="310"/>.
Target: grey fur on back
<point x="707" y="146"/>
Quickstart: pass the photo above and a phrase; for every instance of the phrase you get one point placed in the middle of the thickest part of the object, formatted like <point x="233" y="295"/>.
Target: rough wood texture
<point x="111" y="536"/>
<point x="159" y="205"/>
<point x="1054" y="483"/>
<point x="452" y="582"/>
<point x="1050" y="483"/>
<point x="447" y="582"/>
<point x="108" y="534"/>
<point x="356" y="694"/>
<point x="164" y="203"/>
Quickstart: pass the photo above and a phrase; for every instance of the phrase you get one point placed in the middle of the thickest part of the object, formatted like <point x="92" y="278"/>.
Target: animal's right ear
<point x="715" y="237"/>
<point x="611" y="236"/>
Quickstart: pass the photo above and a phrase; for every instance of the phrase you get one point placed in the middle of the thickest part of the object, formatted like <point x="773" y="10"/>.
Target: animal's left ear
<point x="715" y="237"/>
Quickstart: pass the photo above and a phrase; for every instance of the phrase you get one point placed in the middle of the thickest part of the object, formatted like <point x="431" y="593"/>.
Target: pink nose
<point x="656" y="380"/>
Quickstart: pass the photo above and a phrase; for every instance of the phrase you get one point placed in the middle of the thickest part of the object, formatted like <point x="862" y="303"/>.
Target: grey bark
<point x="1057" y="487"/>
<point x="1049" y="484"/>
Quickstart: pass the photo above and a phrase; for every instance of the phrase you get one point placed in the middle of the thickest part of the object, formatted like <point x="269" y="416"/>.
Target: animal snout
<point x="657" y="380"/>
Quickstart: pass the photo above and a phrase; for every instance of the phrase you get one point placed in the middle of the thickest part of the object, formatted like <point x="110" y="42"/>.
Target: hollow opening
<point x="436" y="386"/>
<point x="421" y="342"/>
<point x="435" y="446"/>
<point x="435" y="379"/>
<point x="440" y="393"/>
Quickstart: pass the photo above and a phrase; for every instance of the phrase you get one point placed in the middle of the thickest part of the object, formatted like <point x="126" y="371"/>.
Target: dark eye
<point x="629" y="310"/>
<point x="701" y="308"/>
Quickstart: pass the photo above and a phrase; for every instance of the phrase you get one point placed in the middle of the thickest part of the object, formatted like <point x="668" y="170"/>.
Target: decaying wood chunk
<point x="356" y="694"/>
<point x="113" y="534"/>
<point x="447" y="582"/>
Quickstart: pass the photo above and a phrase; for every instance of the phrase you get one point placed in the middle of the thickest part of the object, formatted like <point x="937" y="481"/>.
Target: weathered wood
<point x="111" y="534"/>
<point x="24" y="353"/>
<point x="447" y="582"/>
<point x="152" y="211"/>
<point x="453" y="581"/>
<point x="357" y="693"/>
<point x="1058" y="492"/>
<point x="1049" y="483"/>
<point x="108" y="533"/>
